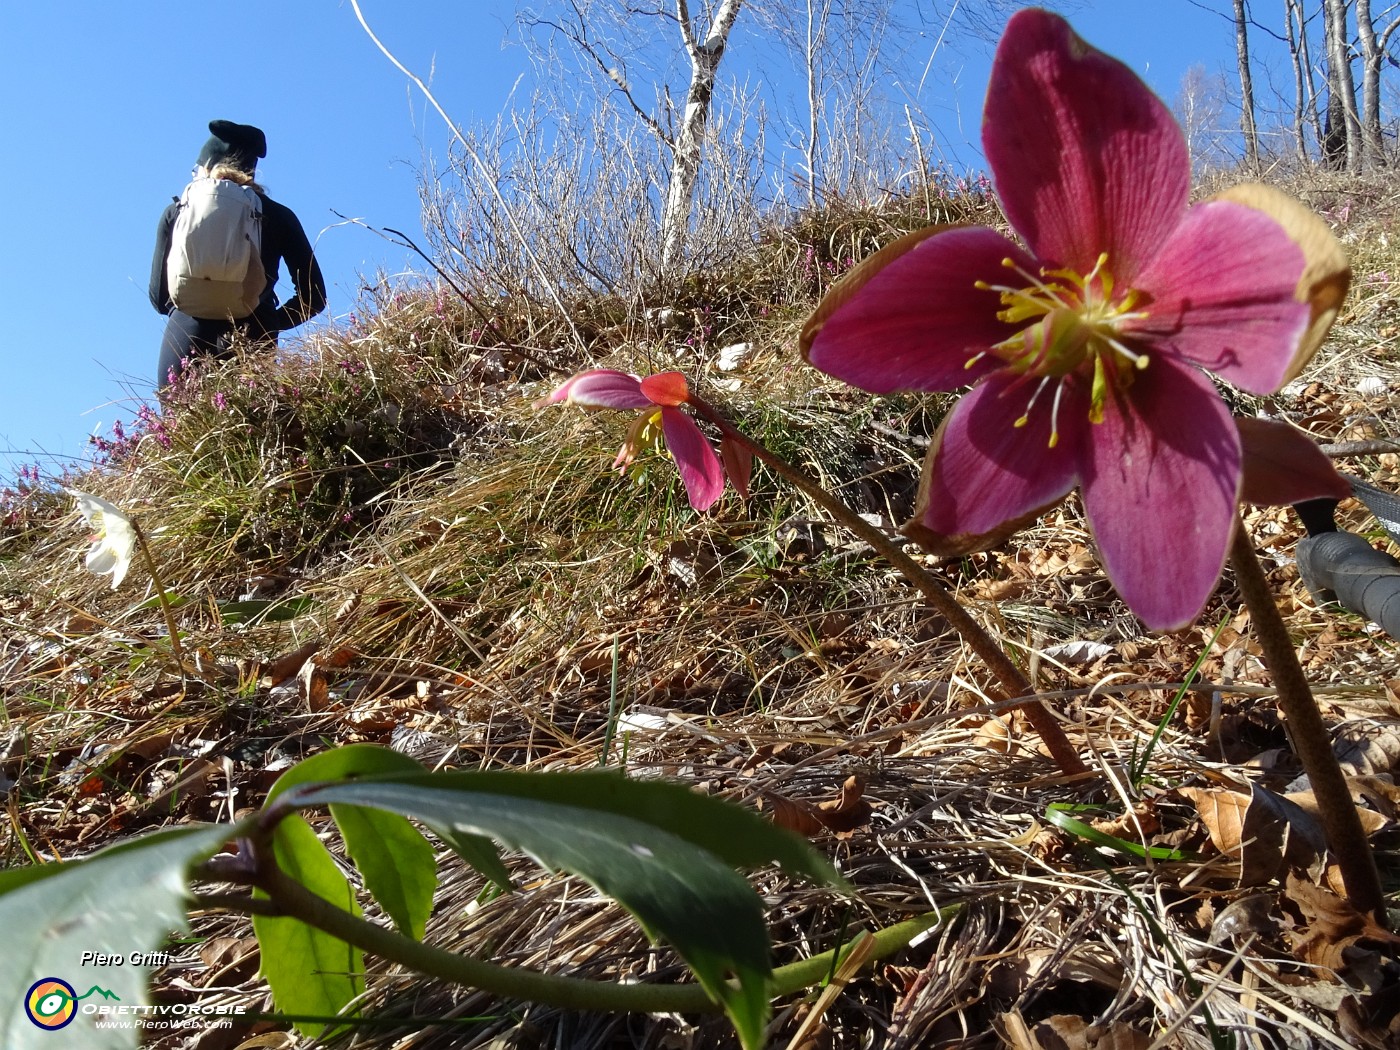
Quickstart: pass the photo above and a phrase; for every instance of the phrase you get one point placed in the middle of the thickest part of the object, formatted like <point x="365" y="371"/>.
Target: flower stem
<point x="1340" y="821"/>
<point x="292" y="900"/>
<point x="973" y="633"/>
<point x="176" y="649"/>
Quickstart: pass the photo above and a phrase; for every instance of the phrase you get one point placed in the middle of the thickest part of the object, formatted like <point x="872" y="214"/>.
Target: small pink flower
<point x="1085" y="342"/>
<point x="659" y="398"/>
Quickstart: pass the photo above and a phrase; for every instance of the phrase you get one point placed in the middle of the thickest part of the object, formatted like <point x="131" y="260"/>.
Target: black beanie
<point x="238" y="144"/>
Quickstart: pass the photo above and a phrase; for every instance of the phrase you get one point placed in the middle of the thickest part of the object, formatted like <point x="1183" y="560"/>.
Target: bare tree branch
<point x="467" y="146"/>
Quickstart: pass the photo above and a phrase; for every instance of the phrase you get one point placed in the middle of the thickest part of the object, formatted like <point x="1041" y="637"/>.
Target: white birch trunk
<point x="690" y="138"/>
<point x="1343" y="138"/>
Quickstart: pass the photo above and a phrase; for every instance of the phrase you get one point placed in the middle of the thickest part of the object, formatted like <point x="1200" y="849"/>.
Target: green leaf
<point x="343" y="763"/>
<point x="739" y="837"/>
<point x="478" y="851"/>
<point x="396" y="861"/>
<point x="309" y="972"/>
<point x="676" y="879"/>
<point x="1058" y="813"/>
<point x="174" y="600"/>
<point x="263" y="610"/>
<point x="392" y="856"/>
<point x="125" y="899"/>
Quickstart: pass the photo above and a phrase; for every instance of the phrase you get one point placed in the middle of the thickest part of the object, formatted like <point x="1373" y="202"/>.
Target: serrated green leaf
<point x="391" y="855"/>
<point x="309" y="972"/>
<point x="679" y="890"/>
<point x="125" y="899"/>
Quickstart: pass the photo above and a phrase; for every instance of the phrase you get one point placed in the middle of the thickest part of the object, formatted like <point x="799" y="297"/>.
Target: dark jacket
<point x="282" y="239"/>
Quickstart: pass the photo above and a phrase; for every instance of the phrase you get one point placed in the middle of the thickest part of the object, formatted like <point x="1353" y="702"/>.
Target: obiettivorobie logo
<point x="51" y="1002"/>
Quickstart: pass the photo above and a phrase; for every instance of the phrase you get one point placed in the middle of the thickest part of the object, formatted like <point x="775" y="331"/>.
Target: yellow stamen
<point x="1070" y="324"/>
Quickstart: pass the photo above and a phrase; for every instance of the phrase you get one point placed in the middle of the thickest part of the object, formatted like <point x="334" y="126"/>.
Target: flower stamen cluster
<point x="1078" y="328"/>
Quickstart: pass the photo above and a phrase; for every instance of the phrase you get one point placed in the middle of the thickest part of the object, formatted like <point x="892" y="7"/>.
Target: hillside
<point x="376" y="537"/>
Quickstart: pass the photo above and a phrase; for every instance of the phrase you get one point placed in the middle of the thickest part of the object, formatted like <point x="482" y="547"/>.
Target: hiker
<point x="253" y="234"/>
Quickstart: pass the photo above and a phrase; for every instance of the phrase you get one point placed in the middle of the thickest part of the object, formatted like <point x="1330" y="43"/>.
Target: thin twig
<point x="488" y="322"/>
<point x="1372" y="447"/>
<point x="471" y="152"/>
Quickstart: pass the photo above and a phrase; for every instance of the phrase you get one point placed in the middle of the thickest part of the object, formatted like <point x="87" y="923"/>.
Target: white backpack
<point x="214" y="270"/>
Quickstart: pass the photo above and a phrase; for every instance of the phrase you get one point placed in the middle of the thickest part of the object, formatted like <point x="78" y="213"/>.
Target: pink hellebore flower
<point x="659" y="397"/>
<point x="1085" y="343"/>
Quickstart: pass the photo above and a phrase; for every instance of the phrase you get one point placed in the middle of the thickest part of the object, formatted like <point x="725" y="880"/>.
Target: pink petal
<point x="695" y="459"/>
<point x="1326" y="274"/>
<point x="1222" y="294"/>
<point x="666" y="388"/>
<point x="1085" y="158"/>
<point x="1160" y="486"/>
<point x="600" y="388"/>
<point x="917" y="323"/>
<point x="986" y="471"/>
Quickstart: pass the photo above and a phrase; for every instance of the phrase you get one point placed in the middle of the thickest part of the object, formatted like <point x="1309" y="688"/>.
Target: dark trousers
<point x="188" y="339"/>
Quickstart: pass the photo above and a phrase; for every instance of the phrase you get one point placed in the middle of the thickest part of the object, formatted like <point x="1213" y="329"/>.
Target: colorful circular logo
<point x="51" y="1003"/>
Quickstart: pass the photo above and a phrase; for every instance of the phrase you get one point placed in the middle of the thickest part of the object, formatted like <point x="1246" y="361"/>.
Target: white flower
<point x="731" y="357"/>
<point x="114" y="537"/>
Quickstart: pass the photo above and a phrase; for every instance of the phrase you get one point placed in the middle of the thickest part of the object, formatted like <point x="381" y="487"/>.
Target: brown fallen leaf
<point x="840" y="815"/>
<point x="313" y="687"/>
<point x="1261" y="828"/>
<point x="1365" y="750"/>
<point x="995" y="734"/>
<point x="1371" y="821"/>
<point x="1000" y="590"/>
<point x="848" y="810"/>
<point x="1372" y="1022"/>
<point x="792" y="814"/>
<point x="1379" y="792"/>
<point x="1133" y="827"/>
<point x="1244" y="919"/>
<point x="222" y="951"/>
<point x="287" y="665"/>
<point x="1334" y="933"/>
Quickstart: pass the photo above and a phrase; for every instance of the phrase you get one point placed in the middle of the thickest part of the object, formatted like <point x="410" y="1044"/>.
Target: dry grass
<point x="466" y="574"/>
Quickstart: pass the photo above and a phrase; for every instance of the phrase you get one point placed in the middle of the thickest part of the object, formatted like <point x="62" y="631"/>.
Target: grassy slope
<point x="461" y="568"/>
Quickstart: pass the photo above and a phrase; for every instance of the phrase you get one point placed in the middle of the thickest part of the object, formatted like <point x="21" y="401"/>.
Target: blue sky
<point x="104" y="107"/>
